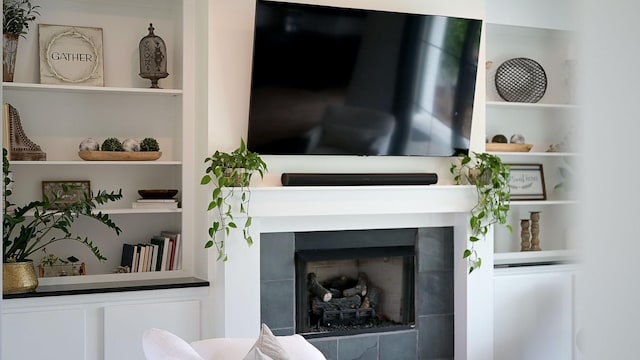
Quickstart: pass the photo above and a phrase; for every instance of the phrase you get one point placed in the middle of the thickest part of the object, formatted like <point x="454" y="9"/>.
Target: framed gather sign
<point x="71" y="55"/>
<point x="527" y="182"/>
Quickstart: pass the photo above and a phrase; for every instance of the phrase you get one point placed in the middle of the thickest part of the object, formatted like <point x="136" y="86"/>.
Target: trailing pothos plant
<point x="38" y="224"/>
<point x="230" y="173"/>
<point x="491" y="179"/>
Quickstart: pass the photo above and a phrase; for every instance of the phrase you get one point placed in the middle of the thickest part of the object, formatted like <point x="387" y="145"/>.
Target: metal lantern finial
<point x="153" y="58"/>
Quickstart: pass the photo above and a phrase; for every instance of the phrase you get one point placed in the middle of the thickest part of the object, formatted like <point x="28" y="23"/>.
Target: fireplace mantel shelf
<point x="364" y="200"/>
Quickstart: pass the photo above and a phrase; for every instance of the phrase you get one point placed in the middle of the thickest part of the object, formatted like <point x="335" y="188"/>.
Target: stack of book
<point x="162" y="253"/>
<point x="155" y="204"/>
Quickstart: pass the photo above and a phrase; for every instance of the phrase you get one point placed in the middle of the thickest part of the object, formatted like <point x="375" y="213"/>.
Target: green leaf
<point x="466" y="254"/>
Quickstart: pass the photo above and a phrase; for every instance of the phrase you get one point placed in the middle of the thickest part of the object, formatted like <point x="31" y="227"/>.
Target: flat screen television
<point x="340" y="81"/>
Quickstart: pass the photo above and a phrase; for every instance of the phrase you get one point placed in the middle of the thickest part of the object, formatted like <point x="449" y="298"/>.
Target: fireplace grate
<point x="347" y="317"/>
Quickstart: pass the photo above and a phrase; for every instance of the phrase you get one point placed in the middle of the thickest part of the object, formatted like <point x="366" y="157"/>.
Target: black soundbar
<point x="354" y="179"/>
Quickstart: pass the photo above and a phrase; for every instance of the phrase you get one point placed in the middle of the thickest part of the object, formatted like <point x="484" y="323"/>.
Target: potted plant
<point x="491" y="179"/>
<point x="230" y="173"/>
<point x="38" y="224"/>
<point x="17" y="14"/>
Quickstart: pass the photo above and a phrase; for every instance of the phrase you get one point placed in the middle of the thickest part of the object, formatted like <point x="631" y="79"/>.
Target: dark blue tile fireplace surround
<point x="429" y="335"/>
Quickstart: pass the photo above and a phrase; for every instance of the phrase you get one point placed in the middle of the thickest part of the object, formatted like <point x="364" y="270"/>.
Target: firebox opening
<point x="350" y="290"/>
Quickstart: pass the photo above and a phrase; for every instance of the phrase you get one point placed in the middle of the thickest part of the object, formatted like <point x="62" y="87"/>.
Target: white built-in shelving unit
<point x="522" y="31"/>
<point x="59" y="117"/>
<point x="542" y="282"/>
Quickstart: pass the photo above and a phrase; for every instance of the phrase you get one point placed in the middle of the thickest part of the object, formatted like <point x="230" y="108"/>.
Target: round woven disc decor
<point x="521" y="80"/>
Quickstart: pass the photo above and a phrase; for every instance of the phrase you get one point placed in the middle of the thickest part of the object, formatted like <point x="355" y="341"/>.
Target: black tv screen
<point x="338" y="81"/>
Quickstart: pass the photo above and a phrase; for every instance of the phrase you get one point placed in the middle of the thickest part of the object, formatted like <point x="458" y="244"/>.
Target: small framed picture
<point x="65" y="192"/>
<point x="527" y="182"/>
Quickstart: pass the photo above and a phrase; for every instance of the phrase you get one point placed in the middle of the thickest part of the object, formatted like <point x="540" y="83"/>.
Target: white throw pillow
<point x="256" y="354"/>
<point x="268" y="345"/>
<point x="160" y="344"/>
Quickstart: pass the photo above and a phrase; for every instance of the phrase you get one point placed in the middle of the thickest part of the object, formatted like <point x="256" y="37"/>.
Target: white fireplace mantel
<point x="235" y="290"/>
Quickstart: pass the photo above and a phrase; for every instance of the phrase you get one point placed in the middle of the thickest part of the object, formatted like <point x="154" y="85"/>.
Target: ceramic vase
<point x="9" y="52"/>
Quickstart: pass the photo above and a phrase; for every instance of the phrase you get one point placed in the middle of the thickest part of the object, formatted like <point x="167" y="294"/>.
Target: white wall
<point x="229" y="77"/>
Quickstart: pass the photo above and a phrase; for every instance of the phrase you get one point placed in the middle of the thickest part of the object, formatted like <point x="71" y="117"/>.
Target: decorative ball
<point x="89" y="144"/>
<point x="131" y="145"/>
<point x="517" y="139"/>
<point x="499" y="139"/>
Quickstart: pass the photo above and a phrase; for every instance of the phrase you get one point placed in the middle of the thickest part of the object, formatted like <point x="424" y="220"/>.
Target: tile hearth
<point x="430" y="338"/>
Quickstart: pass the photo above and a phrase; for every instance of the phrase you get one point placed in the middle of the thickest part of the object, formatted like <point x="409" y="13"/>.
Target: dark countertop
<point x="110" y="287"/>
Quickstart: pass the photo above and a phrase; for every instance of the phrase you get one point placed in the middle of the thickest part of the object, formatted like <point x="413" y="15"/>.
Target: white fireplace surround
<point x="235" y="291"/>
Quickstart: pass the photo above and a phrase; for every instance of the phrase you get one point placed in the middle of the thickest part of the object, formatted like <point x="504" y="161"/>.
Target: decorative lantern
<point x="153" y="58"/>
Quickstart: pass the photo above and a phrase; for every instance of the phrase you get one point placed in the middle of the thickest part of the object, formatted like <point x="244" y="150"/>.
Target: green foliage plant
<point x="149" y="144"/>
<point x="230" y="173"/>
<point x="17" y="14"/>
<point x="112" y="144"/>
<point x="491" y="179"/>
<point x="38" y="224"/>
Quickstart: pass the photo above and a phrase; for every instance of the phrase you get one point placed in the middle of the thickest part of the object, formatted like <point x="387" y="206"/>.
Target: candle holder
<point x="535" y="231"/>
<point x="525" y="235"/>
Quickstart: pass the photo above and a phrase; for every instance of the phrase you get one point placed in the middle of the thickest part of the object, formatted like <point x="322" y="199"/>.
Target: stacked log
<point x="316" y="289"/>
<point x="342" y="294"/>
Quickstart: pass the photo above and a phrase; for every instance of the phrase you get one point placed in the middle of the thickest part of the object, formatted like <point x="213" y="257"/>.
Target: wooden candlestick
<point x="535" y="231"/>
<point x="525" y="244"/>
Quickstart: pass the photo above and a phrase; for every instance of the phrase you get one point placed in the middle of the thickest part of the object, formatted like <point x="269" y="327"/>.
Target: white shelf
<point x="519" y="105"/>
<point x="89" y="89"/>
<point x="139" y="211"/>
<point x="533" y="257"/>
<point x="533" y="154"/>
<point x="85" y="163"/>
<point x="128" y="211"/>
<point x="542" y="202"/>
<point x="101" y="278"/>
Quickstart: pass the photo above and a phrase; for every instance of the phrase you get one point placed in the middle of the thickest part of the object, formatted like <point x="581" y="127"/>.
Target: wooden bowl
<point x="158" y="193"/>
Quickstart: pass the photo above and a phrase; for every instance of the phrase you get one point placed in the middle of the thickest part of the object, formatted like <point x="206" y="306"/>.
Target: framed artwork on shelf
<point x="65" y="192"/>
<point x="527" y="182"/>
<point x="71" y="55"/>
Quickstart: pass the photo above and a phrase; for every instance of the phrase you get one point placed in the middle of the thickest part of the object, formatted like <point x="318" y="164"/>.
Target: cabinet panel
<point x="533" y="314"/>
<point x="125" y="324"/>
<point x="59" y="334"/>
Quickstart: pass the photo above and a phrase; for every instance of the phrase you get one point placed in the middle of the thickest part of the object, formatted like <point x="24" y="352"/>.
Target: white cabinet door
<point x="533" y="314"/>
<point x="125" y="324"/>
<point x="47" y="334"/>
